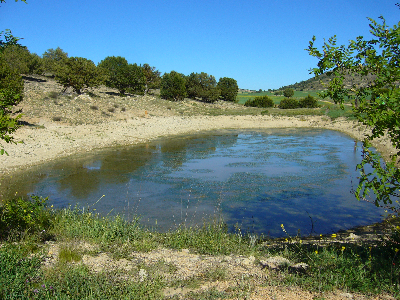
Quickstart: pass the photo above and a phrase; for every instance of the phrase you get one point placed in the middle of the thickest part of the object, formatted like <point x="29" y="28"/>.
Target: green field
<point x="243" y="97"/>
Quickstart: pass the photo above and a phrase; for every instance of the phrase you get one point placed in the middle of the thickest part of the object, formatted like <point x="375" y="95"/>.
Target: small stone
<point x="275" y="263"/>
<point x="142" y="275"/>
<point x="299" y="268"/>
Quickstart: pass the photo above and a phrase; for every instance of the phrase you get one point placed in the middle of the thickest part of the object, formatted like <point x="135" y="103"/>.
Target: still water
<point x="301" y="178"/>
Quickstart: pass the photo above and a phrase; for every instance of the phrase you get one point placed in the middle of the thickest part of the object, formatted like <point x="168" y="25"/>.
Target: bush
<point x="19" y="58"/>
<point x="288" y="93"/>
<point x="11" y="92"/>
<point x="52" y="58"/>
<point x="19" y="216"/>
<point x="202" y="86"/>
<point x="260" y="101"/>
<point x="78" y="73"/>
<point x="308" y="102"/>
<point x="173" y="86"/>
<point x="289" y="103"/>
<point x="123" y="76"/>
<point x="229" y="88"/>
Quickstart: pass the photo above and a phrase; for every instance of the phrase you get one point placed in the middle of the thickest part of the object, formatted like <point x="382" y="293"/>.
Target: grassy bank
<point x="46" y="254"/>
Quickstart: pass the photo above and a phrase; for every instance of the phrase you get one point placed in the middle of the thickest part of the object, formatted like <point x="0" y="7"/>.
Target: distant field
<point x="327" y="107"/>
<point x="243" y="97"/>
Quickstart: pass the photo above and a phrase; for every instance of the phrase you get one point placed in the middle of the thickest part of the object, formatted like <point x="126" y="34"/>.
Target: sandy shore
<point x="51" y="140"/>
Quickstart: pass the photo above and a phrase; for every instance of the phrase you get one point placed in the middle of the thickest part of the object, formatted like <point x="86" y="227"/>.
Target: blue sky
<point x="259" y="43"/>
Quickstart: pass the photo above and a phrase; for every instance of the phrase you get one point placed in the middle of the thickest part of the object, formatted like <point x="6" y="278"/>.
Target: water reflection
<point x="256" y="179"/>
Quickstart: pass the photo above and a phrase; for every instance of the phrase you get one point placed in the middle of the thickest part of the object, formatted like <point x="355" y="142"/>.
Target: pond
<point x="254" y="179"/>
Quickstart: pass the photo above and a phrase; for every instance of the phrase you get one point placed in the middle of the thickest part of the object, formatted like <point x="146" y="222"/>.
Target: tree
<point x="229" y="88"/>
<point x="20" y="59"/>
<point x="153" y="78"/>
<point x="78" y="73"/>
<point x="11" y="93"/>
<point x="11" y="90"/>
<point x="123" y="76"/>
<point x="52" y="58"/>
<point x="375" y="104"/>
<point x="173" y="86"/>
<point x="288" y="93"/>
<point x="202" y="86"/>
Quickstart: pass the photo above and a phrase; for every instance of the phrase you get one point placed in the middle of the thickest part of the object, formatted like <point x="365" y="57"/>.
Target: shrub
<point x="52" y="58"/>
<point x="289" y="103"/>
<point x="19" y="215"/>
<point x="260" y="101"/>
<point x="309" y="102"/>
<point x="288" y="93"/>
<point x="173" y="86"/>
<point x="123" y="76"/>
<point x="229" y="88"/>
<point x="11" y="93"/>
<point x="78" y="73"/>
<point x="202" y="86"/>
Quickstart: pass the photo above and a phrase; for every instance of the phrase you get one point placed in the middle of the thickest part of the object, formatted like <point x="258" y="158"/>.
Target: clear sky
<point x="259" y="43"/>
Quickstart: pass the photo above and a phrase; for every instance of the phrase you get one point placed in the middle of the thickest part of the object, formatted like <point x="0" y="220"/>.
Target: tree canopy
<point x="121" y="75"/>
<point x="11" y="91"/>
<point x="203" y="86"/>
<point x="173" y="86"/>
<point x="229" y="88"/>
<point x="375" y="104"/>
<point x="79" y="73"/>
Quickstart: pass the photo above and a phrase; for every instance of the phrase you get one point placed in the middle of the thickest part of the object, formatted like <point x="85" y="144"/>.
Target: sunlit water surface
<point x="258" y="180"/>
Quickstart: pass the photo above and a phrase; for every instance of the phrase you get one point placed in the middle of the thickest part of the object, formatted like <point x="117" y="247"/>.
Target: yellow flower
<point x="51" y="206"/>
<point x="398" y="227"/>
<point x="333" y="235"/>
<point x="343" y="248"/>
<point x="282" y="226"/>
<point x="316" y="252"/>
<point x="396" y="250"/>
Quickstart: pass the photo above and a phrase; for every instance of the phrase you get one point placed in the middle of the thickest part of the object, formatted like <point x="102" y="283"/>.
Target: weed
<point x="69" y="254"/>
<point x="94" y="107"/>
<point x="56" y="119"/>
<point x="53" y="94"/>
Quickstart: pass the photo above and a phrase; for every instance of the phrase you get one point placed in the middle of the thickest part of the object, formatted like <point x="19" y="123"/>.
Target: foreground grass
<point x="26" y="225"/>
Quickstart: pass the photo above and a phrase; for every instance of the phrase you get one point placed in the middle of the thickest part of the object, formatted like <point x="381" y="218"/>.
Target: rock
<point x="280" y="263"/>
<point x="299" y="268"/>
<point x="142" y="275"/>
<point x="275" y="263"/>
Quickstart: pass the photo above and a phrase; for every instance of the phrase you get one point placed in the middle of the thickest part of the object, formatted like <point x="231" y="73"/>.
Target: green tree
<point x="288" y="92"/>
<point x="203" y="86"/>
<point x="153" y="77"/>
<point x="20" y="59"/>
<point x="52" y="58"/>
<point x="11" y="93"/>
<point x="229" y="88"/>
<point x="173" y="86"/>
<point x="11" y="90"/>
<point x="375" y="104"/>
<point x="79" y="73"/>
<point x="123" y="76"/>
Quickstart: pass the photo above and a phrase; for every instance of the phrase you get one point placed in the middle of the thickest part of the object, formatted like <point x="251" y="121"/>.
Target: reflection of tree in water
<point x="87" y="175"/>
<point x="19" y="184"/>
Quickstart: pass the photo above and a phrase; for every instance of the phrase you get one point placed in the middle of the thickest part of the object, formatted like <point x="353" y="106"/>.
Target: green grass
<point x="369" y="268"/>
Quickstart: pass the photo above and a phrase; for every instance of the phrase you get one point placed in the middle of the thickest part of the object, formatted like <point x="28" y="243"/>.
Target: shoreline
<point x="48" y="141"/>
